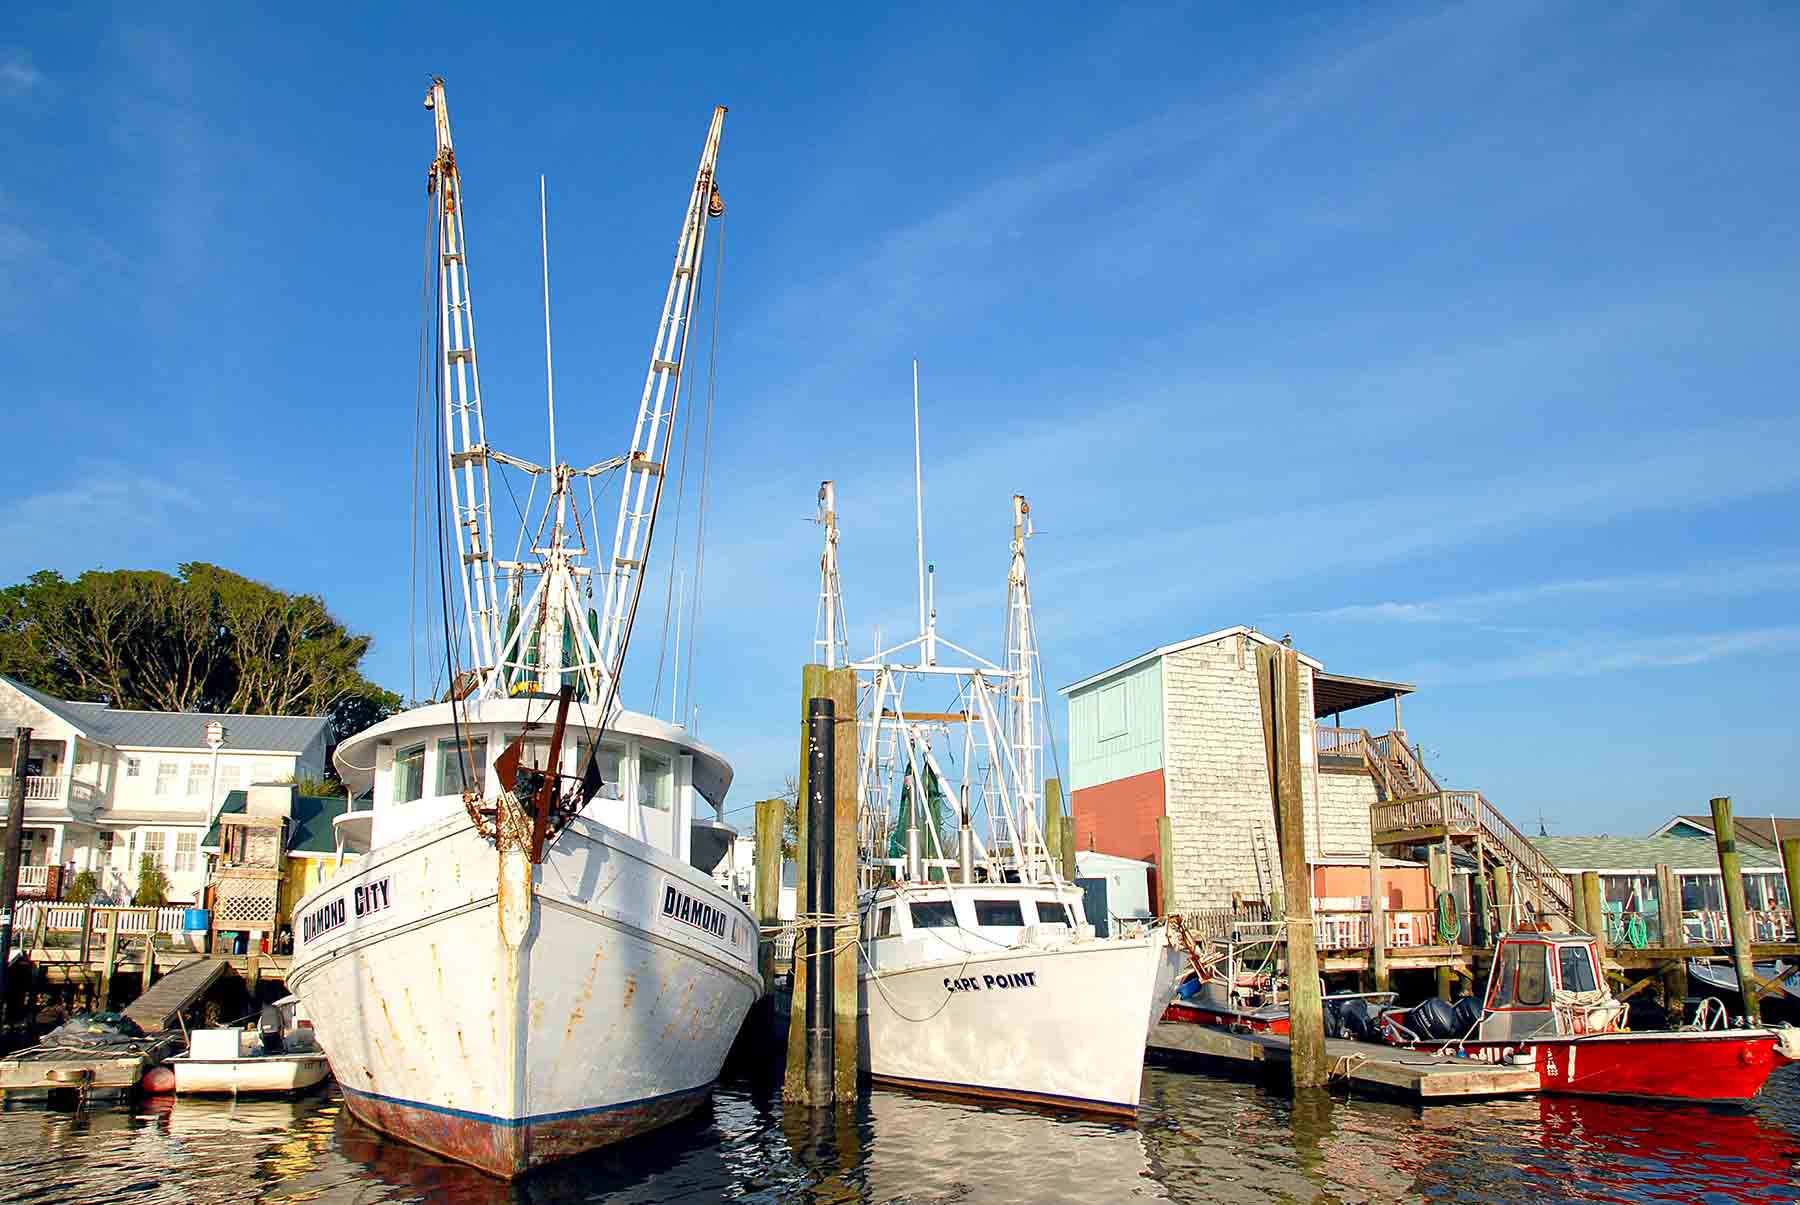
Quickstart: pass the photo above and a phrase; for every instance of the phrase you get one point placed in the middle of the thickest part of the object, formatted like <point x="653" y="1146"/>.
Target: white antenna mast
<point x="465" y="430"/>
<point x="927" y="651"/>
<point x="831" y="643"/>
<point x="645" y="463"/>
<point x="549" y="376"/>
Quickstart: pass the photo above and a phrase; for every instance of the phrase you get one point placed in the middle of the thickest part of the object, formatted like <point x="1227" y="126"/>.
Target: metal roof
<point x="309" y="828"/>
<point x="1178" y="646"/>
<point x="1758" y="830"/>
<point x="180" y="729"/>
<point x="1623" y="855"/>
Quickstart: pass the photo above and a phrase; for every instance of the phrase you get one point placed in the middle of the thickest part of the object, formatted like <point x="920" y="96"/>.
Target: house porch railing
<point x="1337" y="928"/>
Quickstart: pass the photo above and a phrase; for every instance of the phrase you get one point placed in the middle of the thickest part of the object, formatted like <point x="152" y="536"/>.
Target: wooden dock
<point x="175" y="993"/>
<point x="1408" y="1074"/>
<point x="106" y="1071"/>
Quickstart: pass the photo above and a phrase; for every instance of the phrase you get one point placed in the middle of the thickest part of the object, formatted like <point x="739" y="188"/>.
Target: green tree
<point x="203" y="639"/>
<point x="83" y="888"/>
<point x="153" y="885"/>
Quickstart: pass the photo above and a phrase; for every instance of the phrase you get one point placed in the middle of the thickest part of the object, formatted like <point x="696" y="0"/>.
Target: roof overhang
<point x="1333" y="693"/>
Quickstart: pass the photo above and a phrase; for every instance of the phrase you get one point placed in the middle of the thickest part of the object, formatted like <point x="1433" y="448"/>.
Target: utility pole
<point x="9" y="875"/>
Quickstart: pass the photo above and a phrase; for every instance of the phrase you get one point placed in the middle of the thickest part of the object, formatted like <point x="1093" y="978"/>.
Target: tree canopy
<point x="203" y="639"/>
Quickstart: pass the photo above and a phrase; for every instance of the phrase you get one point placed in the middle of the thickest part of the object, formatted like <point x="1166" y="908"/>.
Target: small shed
<point x="1113" y="888"/>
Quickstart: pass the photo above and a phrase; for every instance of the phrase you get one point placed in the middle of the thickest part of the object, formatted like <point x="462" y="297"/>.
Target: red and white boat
<point x="1546" y="1003"/>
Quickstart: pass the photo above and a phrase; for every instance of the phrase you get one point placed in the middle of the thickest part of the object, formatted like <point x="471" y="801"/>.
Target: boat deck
<point x="1408" y="1074"/>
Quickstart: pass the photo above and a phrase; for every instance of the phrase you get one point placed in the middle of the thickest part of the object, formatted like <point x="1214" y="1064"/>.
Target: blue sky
<point x="1458" y="342"/>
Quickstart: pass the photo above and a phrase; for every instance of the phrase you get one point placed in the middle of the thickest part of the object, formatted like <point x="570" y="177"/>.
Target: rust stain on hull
<point x="509" y="1150"/>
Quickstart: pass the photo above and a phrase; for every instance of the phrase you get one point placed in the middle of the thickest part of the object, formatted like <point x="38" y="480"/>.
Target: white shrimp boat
<point x="532" y="959"/>
<point x="980" y="975"/>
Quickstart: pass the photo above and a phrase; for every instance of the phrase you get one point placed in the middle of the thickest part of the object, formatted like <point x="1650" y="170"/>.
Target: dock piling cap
<point x="70" y="1075"/>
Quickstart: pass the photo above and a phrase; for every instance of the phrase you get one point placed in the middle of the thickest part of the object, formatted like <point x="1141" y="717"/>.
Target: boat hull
<point x="263" y="1075"/>
<point x="1061" y="1026"/>
<point x="508" y="1028"/>
<point x="1726" y="1066"/>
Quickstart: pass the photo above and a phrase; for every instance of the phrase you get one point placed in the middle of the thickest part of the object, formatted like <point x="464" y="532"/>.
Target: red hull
<point x="1264" y="1020"/>
<point x="1722" y="1067"/>
<point x="510" y="1149"/>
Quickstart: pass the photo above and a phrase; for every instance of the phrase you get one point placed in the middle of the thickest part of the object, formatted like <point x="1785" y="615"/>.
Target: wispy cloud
<point x="17" y="73"/>
<point x="1615" y="654"/>
<point x="1483" y="606"/>
<point x="108" y="510"/>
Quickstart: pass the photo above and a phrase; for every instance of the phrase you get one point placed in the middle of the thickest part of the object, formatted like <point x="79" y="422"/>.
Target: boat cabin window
<point x="1576" y="969"/>
<point x="656" y="781"/>
<point x="462" y="765"/>
<point x="1522" y="978"/>
<point x="1051" y="912"/>
<point x="612" y="785"/>
<point x="409" y="774"/>
<point x="999" y="913"/>
<point x="934" y="914"/>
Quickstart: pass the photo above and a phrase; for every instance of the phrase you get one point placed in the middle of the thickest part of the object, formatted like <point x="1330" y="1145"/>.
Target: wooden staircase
<point x="1415" y="809"/>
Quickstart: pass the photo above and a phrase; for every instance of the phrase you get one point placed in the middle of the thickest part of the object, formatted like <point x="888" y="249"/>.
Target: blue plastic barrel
<point x="195" y="920"/>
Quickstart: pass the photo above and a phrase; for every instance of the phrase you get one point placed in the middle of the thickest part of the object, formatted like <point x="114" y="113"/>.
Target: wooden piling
<point x="770" y="814"/>
<point x="812" y="684"/>
<point x="1503" y="903"/>
<point x="1278" y="682"/>
<point x="1378" y="934"/>
<point x="846" y="766"/>
<point x="1578" y="905"/>
<point x="1063" y="848"/>
<point x="1053" y="820"/>
<point x="1790" y="864"/>
<point x="1671" y="935"/>
<point x="149" y="968"/>
<point x="1165" y="872"/>
<point x="112" y="960"/>
<point x="1731" y="871"/>
<point x="1594" y="904"/>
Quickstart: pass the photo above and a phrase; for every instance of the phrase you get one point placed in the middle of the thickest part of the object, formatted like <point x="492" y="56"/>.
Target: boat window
<point x="1575" y="968"/>
<point x="1501" y="995"/>
<point x="936" y="914"/>
<point x="1533" y="989"/>
<point x="656" y="781"/>
<point x="409" y="774"/>
<point x="1053" y="912"/>
<point x="999" y="913"/>
<point x="884" y="925"/>
<point x="461" y="765"/>
<point x="612" y="785"/>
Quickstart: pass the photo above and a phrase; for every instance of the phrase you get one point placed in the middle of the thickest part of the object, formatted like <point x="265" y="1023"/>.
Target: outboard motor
<point x="270" y="1028"/>
<point x="1357" y="1021"/>
<point x="1434" y="1019"/>
<point x="1334" y="1020"/>
<point x="1468" y="1015"/>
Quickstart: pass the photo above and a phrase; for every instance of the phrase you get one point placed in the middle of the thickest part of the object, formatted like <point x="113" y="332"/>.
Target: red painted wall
<point x="1119" y="818"/>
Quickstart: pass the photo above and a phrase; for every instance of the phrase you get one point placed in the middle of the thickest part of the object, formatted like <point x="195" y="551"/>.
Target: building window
<point x="107" y="839"/>
<point x="155" y="841"/>
<point x="656" y="781"/>
<point x="132" y="766"/>
<point x="1112" y="711"/>
<point x="267" y="770"/>
<point x="461" y="765"/>
<point x="409" y="774"/>
<point x="231" y="777"/>
<point x="167" y="772"/>
<point x="187" y="851"/>
<point x="199" y="776"/>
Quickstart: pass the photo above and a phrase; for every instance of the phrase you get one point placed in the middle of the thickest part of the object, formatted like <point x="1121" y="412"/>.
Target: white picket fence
<point x="67" y="918"/>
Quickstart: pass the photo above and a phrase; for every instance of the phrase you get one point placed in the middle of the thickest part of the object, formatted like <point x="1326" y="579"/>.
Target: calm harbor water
<point x="1199" y="1138"/>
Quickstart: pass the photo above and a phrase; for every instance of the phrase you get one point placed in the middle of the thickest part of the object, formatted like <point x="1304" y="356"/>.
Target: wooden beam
<point x="1668" y="921"/>
<point x="770" y="814"/>
<point x="840" y="686"/>
<point x="812" y="684"/>
<point x="1378" y="954"/>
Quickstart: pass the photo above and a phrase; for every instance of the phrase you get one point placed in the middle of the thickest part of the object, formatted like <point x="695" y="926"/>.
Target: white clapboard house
<point x="109" y="785"/>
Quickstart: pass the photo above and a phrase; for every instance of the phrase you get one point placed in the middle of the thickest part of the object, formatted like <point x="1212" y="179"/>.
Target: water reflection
<point x="1199" y="1138"/>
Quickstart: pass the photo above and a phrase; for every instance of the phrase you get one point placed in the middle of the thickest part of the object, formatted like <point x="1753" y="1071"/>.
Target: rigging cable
<point x="418" y="440"/>
<point x="712" y="392"/>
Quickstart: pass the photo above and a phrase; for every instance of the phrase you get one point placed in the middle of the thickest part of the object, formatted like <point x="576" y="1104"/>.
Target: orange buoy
<point x="159" y="1080"/>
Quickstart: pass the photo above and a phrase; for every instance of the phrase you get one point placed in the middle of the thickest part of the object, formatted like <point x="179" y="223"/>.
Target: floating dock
<point x="1414" y="1075"/>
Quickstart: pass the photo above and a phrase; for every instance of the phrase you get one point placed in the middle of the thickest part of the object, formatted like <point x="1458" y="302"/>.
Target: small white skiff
<point x="276" y="1056"/>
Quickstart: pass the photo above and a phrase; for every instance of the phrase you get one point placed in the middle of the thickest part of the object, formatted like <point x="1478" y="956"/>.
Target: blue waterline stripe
<point x="535" y="1119"/>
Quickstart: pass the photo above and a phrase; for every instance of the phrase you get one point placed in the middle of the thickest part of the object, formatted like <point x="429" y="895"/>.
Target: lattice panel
<point x="244" y="910"/>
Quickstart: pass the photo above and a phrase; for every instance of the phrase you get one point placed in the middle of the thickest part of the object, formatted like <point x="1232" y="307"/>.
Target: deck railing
<point x="1712" y="926"/>
<point x="39" y="788"/>
<point x="1341" y="742"/>
<point x="1467" y="813"/>
<point x="67" y="918"/>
